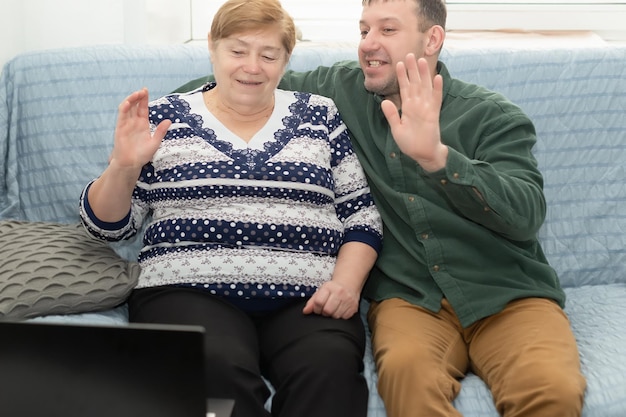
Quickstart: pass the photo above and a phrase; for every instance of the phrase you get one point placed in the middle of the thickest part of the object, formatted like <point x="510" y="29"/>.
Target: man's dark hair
<point x="429" y="12"/>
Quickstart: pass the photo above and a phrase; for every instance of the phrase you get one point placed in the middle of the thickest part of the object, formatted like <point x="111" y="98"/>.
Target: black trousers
<point x="314" y="363"/>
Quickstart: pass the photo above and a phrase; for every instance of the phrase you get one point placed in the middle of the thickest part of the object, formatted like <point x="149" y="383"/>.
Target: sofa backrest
<point x="58" y="111"/>
<point x="577" y="101"/>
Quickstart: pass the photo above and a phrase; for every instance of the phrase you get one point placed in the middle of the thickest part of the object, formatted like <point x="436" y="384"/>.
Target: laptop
<point x="75" y="370"/>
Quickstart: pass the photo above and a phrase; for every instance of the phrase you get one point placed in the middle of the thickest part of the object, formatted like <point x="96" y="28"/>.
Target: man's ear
<point x="435" y="37"/>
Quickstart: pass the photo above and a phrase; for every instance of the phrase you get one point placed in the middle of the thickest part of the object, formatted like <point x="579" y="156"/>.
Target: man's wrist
<point x="438" y="162"/>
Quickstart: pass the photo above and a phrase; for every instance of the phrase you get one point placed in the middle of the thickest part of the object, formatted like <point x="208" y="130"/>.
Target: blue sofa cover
<point x="58" y="111"/>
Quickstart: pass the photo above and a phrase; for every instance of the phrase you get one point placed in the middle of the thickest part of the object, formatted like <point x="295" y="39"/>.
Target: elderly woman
<point x="258" y="222"/>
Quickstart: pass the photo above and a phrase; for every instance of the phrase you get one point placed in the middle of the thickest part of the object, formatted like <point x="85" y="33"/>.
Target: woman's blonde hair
<point x="237" y="16"/>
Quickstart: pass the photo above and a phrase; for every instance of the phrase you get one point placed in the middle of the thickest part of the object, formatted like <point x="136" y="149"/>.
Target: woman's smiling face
<point x="248" y="66"/>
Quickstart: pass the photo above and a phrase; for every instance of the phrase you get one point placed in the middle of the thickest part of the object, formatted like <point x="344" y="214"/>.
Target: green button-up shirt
<point x="467" y="232"/>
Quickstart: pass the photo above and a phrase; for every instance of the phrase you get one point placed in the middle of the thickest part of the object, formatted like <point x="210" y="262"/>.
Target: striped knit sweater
<point x="263" y="219"/>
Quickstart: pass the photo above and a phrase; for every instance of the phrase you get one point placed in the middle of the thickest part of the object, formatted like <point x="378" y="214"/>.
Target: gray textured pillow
<point x="50" y="268"/>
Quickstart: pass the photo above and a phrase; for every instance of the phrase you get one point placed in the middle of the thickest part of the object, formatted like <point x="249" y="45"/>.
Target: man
<point x="462" y="283"/>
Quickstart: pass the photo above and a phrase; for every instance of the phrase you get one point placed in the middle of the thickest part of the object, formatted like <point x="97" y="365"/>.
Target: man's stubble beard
<point x="389" y="87"/>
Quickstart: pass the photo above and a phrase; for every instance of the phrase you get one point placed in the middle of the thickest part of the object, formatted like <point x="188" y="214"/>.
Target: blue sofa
<point x="58" y="111"/>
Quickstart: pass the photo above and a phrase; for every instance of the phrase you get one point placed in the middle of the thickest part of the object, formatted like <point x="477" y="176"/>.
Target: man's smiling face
<point x="389" y="31"/>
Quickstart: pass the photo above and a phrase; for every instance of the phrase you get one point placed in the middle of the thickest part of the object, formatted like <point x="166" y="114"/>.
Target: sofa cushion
<point x="52" y="268"/>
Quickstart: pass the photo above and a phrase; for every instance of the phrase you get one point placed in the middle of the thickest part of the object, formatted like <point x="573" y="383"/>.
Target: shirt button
<point x="411" y="199"/>
<point x="444" y="181"/>
<point x="486" y="208"/>
<point x="424" y="236"/>
<point x="436" y="268"/>
<point x="392" y="155"/>
<point x="456" y="175"/>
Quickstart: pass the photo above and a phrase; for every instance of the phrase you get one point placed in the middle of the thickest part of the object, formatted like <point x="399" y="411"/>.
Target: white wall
<point x="27" y="25"/>
<point x="10" y="31"/>
<point x="319" y="20"/>
<point x="39" y="24"/>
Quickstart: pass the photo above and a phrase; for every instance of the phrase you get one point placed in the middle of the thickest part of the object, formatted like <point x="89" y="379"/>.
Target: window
<point x="604" y="17"/>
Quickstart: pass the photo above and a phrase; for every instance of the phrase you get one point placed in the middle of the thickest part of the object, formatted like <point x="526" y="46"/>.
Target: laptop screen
<point x="70" y="370"/>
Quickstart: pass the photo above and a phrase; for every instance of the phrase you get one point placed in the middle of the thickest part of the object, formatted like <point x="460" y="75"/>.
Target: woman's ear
<point x="287" y="58"/>
<point x="209" y="42"/>
<point x="211" y="46"/>
<point x="435" y="37"/>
